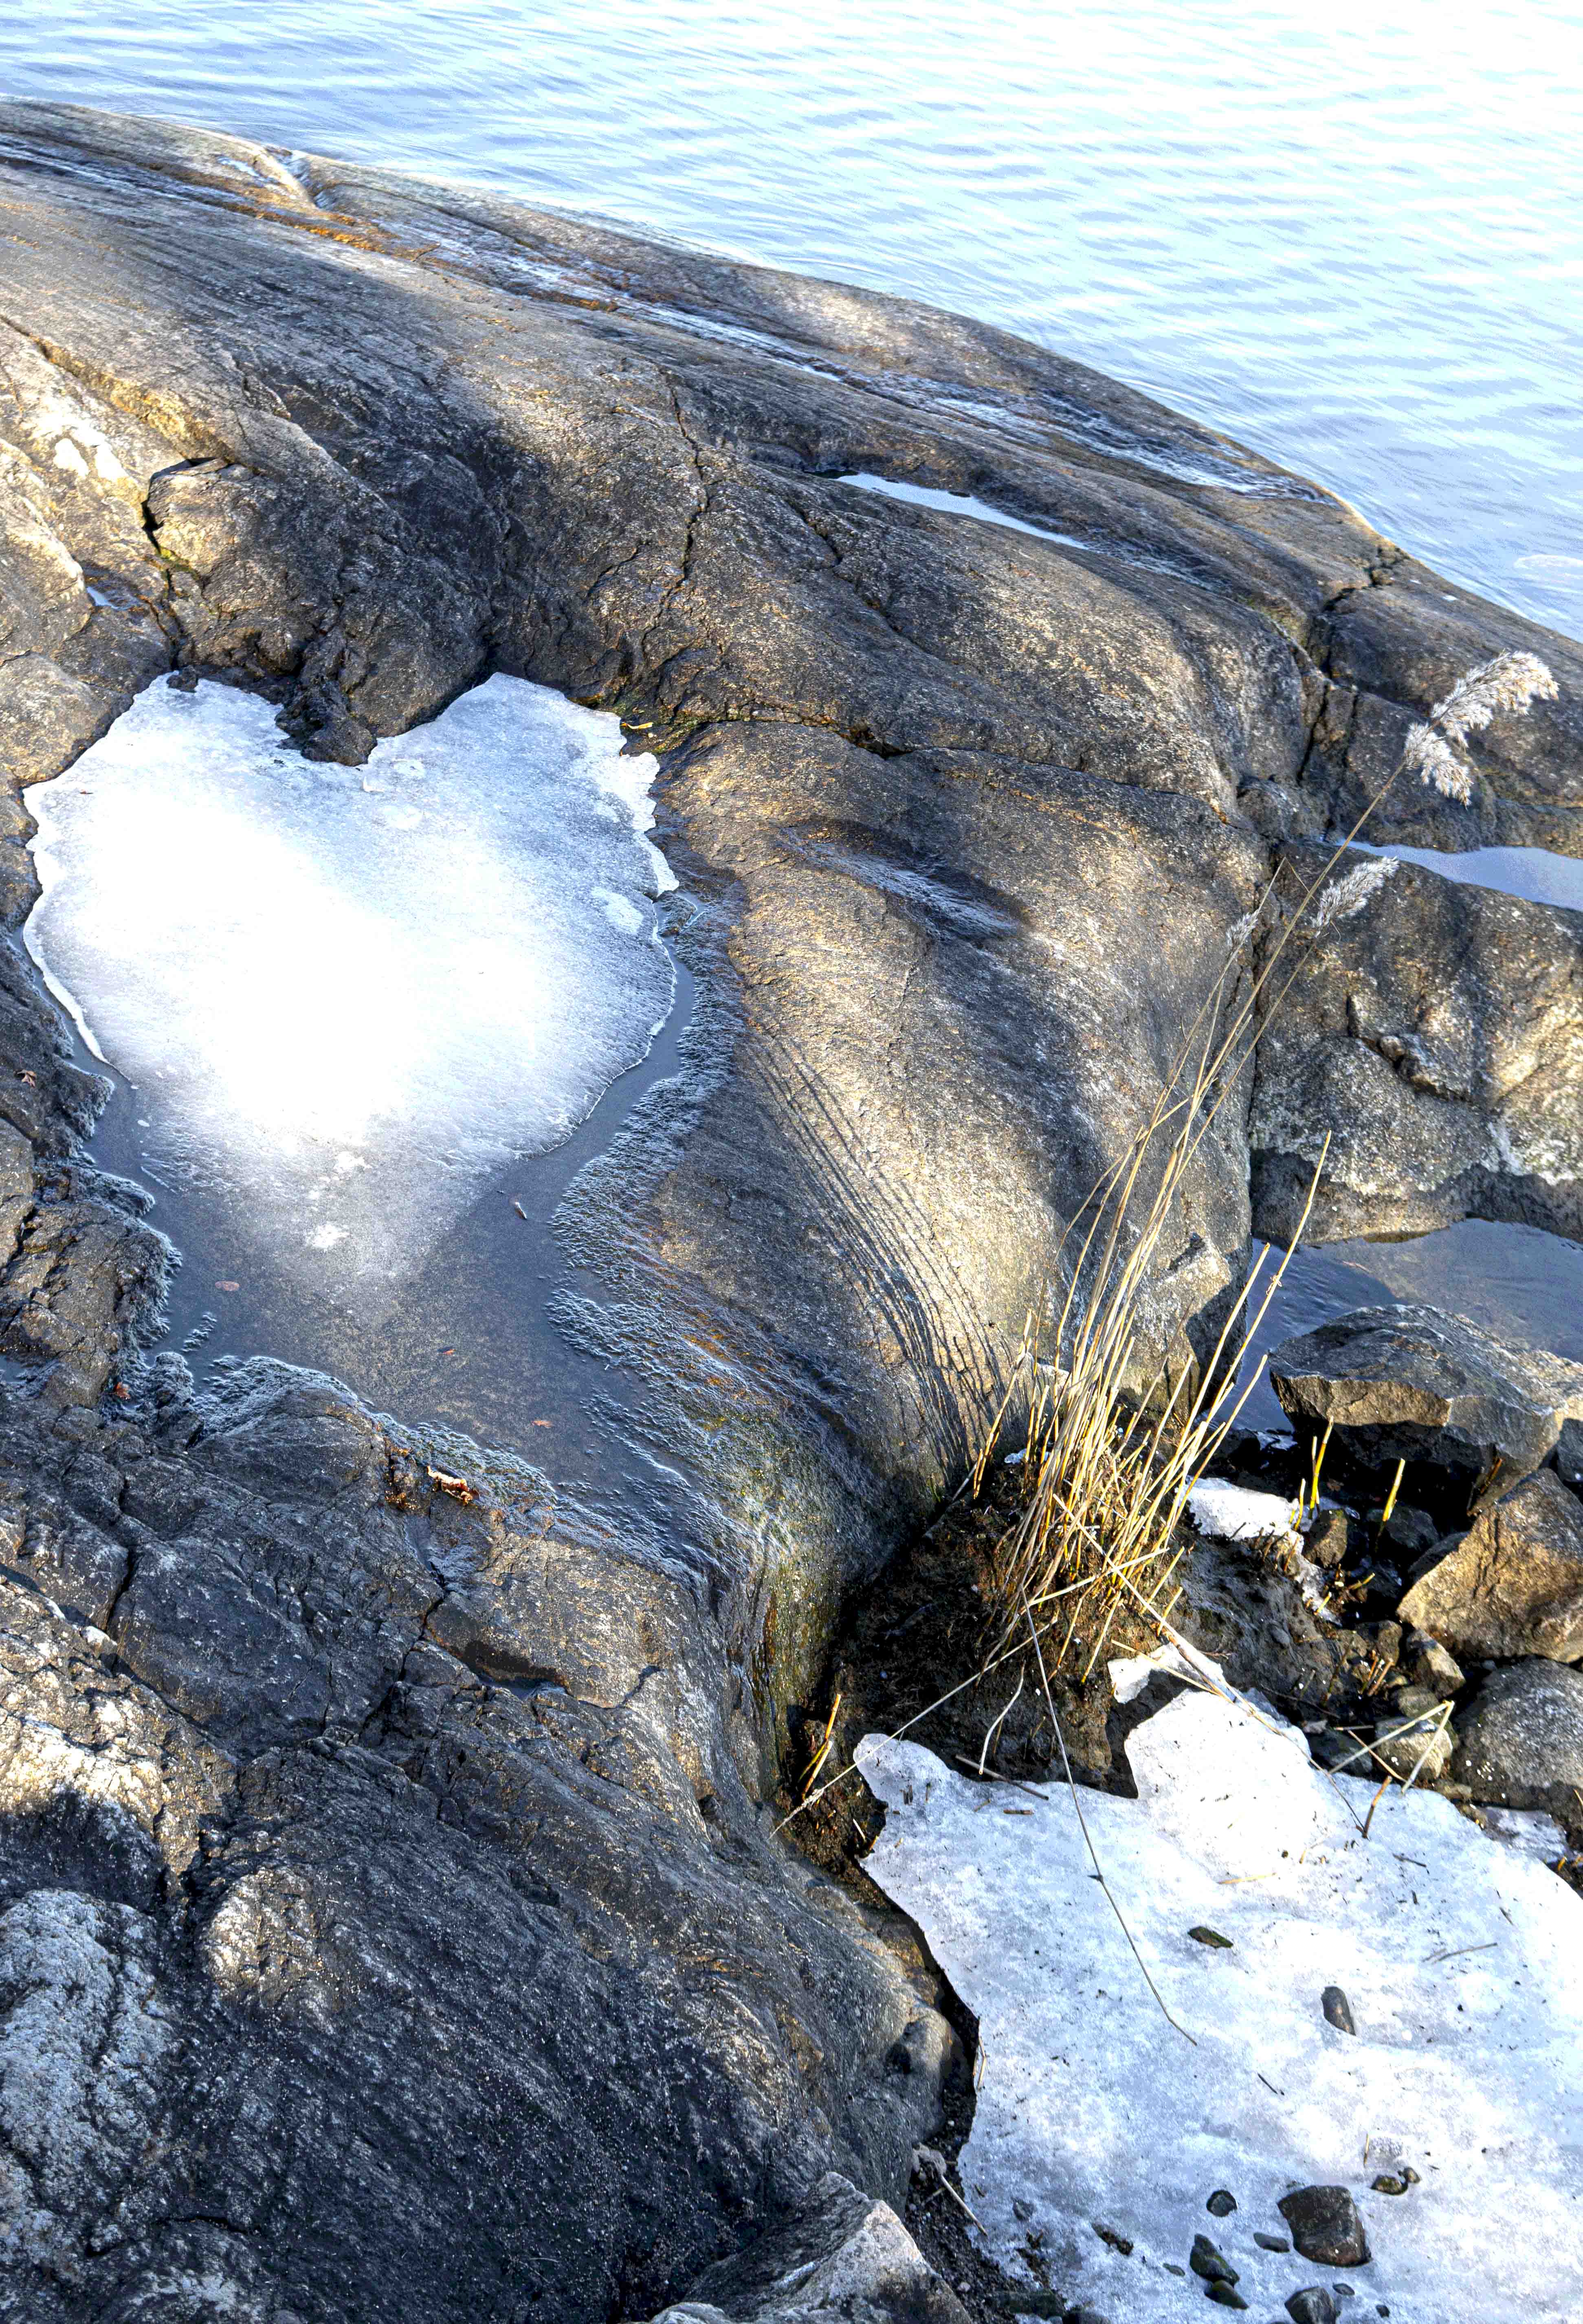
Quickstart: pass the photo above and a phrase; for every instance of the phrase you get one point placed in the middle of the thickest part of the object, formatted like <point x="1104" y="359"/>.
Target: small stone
<point x="1213" y="2266"/>
<point x="1328" y="1541"/>
<point x="1395" y="2182"/>
<point x="1171" y="2267"/>
<point x="1022" y="2207"/>
<point x="1204" y="1936"/>
<point x="1410" y="1531"/>
<point x="1428" y="1664"/>
<point x="1112" y="2235"/>
<point x="1338" y="2009"/>
<point x="1325" y="2226"/>
<point x="1271" y="2243"/>
<point x="1313" y="2305"/>
<point x="1222" y="2203"/>
<point x="1221" y="2293"/>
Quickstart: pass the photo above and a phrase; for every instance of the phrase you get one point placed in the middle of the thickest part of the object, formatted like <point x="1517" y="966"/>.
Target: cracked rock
<point x="1412" y="1381"/>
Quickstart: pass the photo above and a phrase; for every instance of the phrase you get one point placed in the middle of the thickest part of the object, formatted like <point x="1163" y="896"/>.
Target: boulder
<point x="1435" y="1035"/>
<point x="846" y="2254"/>
<point x="1415" y="1382"/>
<point x="414" y="1936"/>
<point x="1520" y="1743"/>
<point x="1513" y="1584"/>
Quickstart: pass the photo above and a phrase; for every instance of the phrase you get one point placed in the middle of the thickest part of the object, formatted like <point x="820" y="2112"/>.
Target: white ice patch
<point x="347" y="996"/>
<point x="1462" y="1960"/>
<point x="1228" y="1512"/>
<point x="958" y="504"/>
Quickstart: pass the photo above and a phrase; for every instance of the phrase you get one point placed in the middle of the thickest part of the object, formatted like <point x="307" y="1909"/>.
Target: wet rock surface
<point x="1416" y="1382"/>
<point x="391" y="1924"/>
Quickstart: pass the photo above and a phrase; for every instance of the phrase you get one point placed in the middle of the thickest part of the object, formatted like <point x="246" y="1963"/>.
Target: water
<point x="1354" y="241"/>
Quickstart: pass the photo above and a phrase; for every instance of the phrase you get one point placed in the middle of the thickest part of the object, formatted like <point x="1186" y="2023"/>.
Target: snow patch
<point x="1462" y="1960"/>
<point x="1228" y="1512"/>
<point x="349" y="995"/>
<point x="958" y="504"/>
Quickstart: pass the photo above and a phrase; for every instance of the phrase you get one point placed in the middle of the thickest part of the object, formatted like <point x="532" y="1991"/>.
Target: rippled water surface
<point x="1352" y="238"/>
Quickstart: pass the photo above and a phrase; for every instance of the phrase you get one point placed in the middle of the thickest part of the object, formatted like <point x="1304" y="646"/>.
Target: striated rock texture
<point x="391" y="1927"/>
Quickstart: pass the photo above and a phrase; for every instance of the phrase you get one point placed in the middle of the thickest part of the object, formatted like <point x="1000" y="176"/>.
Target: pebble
<point x="1204" y="1936"/>
<point x="1338" y="2009"/>
<point x="1222" y="2203"/>
<point x="1395" y="2182"/>
<point x="1271" y="2243"/>
<point x="1211" y="2265"/>
<point x="1022" y="2207"/>
<point x="1325" y="2226"/>
<point x="1312" y="2305"/>
<point x="1221" y="2293"/>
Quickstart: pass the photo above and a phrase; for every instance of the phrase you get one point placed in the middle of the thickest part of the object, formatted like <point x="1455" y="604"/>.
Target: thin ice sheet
<point x="347" y="995"/>
<point x="1462" y="1961"/>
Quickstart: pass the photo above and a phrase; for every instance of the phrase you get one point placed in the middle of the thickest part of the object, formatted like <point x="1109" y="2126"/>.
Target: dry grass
<point x="1108" y="1466"/>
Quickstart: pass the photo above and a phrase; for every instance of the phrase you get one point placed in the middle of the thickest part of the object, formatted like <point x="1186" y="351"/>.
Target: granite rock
<point x="1513" y="1584"/>
<point x="392" y="1922"/>
<point x="1413" y="1381"/>
<point x="1520" y="1741"/>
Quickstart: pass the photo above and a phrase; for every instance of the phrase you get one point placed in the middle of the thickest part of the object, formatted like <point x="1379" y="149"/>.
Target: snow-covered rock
<point x="1103" y="2130"/>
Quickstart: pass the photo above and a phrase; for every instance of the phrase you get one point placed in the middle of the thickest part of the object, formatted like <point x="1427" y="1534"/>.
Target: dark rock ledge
<point x="391" y="1924"/>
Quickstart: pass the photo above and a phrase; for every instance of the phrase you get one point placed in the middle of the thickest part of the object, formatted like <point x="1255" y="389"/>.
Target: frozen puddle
<point x="346" y="995"/>
<point x="1462" y="1960"/>
<point x="360" y="1014"/>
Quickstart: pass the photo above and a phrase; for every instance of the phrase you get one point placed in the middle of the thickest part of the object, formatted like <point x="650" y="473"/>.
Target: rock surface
<point x="390" y="1921"/>
<point x="846" y="2254"/>
<point x="1436" y="1033"/>
<point x="1519" y="1742"/>
<point x="1514" y="1586"/>
<point x="1415" y="1381"/>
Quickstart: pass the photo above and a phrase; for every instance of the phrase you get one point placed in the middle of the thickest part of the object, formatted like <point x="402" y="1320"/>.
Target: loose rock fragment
<point x="1519" y="1742"/>
<point x="1338" y="2009"/>
<point x="1325" y="2226"/>
<point x="1211" y="2265"/>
